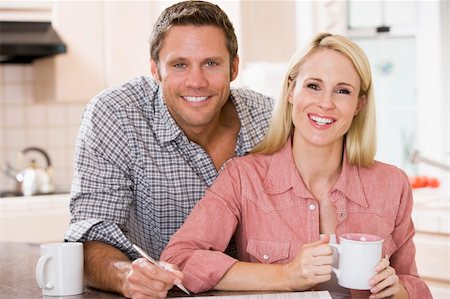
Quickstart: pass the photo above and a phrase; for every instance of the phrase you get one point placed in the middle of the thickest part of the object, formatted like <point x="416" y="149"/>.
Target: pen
<point x="151" y="260"/>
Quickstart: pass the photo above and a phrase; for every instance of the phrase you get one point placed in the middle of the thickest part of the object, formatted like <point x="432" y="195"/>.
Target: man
<point x="147" y="150"/>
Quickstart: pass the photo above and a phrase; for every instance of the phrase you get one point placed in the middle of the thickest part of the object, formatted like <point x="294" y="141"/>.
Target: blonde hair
<point x="360" y="140"/>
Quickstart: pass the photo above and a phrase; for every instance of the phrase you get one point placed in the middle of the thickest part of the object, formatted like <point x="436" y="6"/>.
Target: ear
<point x="154" y="70"/>
<point x="234" y="68"/>
<point x="362" y="101"/>
<point x="290" y="94"/>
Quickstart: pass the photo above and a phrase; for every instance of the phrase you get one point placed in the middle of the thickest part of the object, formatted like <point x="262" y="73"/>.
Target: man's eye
<point x="313" y="86"/>
<point x="343" y="91"/>
<point x="179" y="66"/>
<point x="211" y="64"/>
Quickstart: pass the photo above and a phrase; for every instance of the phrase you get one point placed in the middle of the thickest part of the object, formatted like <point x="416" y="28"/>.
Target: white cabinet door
<point x="77" y="75"/>
<point x="128" y="25"/>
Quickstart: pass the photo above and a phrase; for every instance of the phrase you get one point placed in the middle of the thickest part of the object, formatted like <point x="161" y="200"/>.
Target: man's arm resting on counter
<point x="105" y="267"/>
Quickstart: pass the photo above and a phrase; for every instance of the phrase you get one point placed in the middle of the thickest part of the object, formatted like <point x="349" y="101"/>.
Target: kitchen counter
<point x="40" y="219"/>
<point x="431" y="213"/>
<point x="17" y="279"/>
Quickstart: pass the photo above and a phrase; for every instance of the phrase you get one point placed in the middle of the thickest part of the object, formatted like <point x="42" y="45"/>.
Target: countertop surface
<point x="17" y="279"/>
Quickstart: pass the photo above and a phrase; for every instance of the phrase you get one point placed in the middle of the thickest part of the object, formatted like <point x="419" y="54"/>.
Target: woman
<point x="314" y="174"/>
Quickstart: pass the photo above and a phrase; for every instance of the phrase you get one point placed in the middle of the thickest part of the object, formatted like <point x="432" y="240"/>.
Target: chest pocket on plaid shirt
<point x="268" y="252"/>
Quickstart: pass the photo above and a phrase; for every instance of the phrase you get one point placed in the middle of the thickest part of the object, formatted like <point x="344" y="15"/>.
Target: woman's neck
<point x="319" y="166"/>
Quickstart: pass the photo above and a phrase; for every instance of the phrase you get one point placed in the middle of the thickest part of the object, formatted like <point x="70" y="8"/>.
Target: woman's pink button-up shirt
<point x="261" y="201"/>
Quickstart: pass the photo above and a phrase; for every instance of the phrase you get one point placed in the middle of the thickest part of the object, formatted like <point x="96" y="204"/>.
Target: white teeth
<point x="320" y="120"/>
<point x="195" y="99"/>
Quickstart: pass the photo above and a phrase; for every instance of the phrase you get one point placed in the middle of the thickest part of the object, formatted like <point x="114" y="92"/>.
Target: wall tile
<point x="37" y="136"/>
<point x="28" y="73"/>
<point x="56" y="115"/>
<point x="36" y="115"/>
<point x="14" y="116"/>
<point x="15" y="138"/>
<point x="57" y="136"/>
<point x="13" y="93"/>
<point x="52" y="126"/>
<point x="12" y="73"/>
<point x="74" y="112"/>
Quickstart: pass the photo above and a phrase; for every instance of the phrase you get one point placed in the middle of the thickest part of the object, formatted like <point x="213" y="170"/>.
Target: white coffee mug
<point x="359" y="254"/>
<point x="59" y="271"/>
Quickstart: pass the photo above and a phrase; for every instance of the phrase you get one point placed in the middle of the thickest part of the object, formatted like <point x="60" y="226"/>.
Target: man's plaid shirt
<point x="137" y="176"/>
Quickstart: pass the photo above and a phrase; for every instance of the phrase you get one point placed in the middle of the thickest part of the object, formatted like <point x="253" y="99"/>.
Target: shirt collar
<point x="165" y="127"/>
<point x="349" y="183"/>
<point x="283" y="175"/>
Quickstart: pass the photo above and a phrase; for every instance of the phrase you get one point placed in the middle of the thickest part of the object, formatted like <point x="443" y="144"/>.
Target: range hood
<point x="22" y="42"/>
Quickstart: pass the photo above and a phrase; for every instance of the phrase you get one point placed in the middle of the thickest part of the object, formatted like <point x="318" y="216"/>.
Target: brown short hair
<point x="198" y="13"/>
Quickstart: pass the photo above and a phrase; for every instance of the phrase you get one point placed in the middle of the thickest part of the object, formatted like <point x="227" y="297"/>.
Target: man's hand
<point x="145" y="280"/>
<point x="109" y="269"/>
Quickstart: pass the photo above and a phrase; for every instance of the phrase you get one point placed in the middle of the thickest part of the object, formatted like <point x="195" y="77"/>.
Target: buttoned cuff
<point x="205" y="268"/>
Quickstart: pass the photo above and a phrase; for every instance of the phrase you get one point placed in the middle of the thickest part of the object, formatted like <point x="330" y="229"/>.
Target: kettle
<point x="34" y="179"/>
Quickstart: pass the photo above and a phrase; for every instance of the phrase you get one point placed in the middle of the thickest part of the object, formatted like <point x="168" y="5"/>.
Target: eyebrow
<point x="339" y="83"/>
<point x="185" y="59"/>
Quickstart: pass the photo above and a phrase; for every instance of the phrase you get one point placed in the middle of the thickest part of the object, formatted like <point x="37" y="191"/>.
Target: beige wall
<point x="268" y="31"/>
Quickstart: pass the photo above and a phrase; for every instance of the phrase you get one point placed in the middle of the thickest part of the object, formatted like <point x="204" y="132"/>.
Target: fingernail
<point x="177" y="281"/>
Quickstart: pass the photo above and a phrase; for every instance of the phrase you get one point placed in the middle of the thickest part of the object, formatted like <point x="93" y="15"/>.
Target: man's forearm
<point x="105" y="267"/>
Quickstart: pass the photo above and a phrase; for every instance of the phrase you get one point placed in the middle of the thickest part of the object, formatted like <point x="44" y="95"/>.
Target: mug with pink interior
<point x="359" y="254"/>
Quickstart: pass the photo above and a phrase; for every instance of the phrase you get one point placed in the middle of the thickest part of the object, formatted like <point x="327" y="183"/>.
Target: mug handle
<point x="339" y="250"/>
<point x="40" y="273"/>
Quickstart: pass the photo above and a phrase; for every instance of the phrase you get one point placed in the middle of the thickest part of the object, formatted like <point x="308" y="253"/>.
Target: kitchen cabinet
<point x="433" y="262"/>
<point x="107" y="44"/>
<point x="78" y="74"/>
<point x="38" y="219"/>
<point x="431" y="216"/>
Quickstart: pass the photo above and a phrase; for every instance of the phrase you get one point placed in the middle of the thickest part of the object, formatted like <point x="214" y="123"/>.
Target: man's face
<point x="195" y="74"/>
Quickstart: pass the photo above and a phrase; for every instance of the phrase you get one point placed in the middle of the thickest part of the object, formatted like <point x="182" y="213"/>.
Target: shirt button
<point x="265" y="257"/>
<point x="312" y="207"/>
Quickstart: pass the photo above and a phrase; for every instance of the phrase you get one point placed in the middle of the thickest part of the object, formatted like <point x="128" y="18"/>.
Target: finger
<point x="322" y="250"/>
<point x="152" y="272"/>
<point x="384" y="263"/>
<point x="323" y="270"/>
<point x="383" y="275"/>
<point x="387" y="292"/>
<point x="387" y="283"/>
<point x="322" y="260"/>
<point x="321" y="278"/>
<point x="324" y="240"/>
<point x="173" y="269"/>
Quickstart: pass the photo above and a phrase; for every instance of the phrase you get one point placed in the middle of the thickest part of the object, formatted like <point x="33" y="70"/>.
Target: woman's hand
<point x="386" y="282"/>
<point x="311" y="266"/>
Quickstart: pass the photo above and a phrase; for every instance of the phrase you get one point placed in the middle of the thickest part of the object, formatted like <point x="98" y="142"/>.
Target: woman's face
<point x="325" y="98"/>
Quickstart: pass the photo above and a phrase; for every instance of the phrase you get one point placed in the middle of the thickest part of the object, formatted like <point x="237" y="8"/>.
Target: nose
<point x="196" y="78"/>
<point x="326" y="101"/>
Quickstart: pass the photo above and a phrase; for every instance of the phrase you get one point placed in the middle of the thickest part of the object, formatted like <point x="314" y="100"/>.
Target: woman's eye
<point x="313" y="86"/>
<point x="343" y="91"/>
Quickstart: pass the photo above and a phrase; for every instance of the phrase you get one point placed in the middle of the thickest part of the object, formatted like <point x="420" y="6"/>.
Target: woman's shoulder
<point x="249" y="164"/>
<point x="383" y="173"/>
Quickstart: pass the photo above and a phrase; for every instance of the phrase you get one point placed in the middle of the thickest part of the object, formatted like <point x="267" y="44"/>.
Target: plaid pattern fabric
<point x="137" y="176"/>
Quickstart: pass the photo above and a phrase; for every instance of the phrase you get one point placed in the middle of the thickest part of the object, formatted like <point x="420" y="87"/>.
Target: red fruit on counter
<point x="433" y="183"/>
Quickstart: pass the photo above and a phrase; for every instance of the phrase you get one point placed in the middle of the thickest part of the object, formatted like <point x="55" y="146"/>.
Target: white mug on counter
<point x="359" y="254"/>
<point x="59" y="271"/>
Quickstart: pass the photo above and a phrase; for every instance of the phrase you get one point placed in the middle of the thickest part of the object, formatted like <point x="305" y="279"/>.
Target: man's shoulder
<point x="251" y="97"/>
<point x="135" y="92"/>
